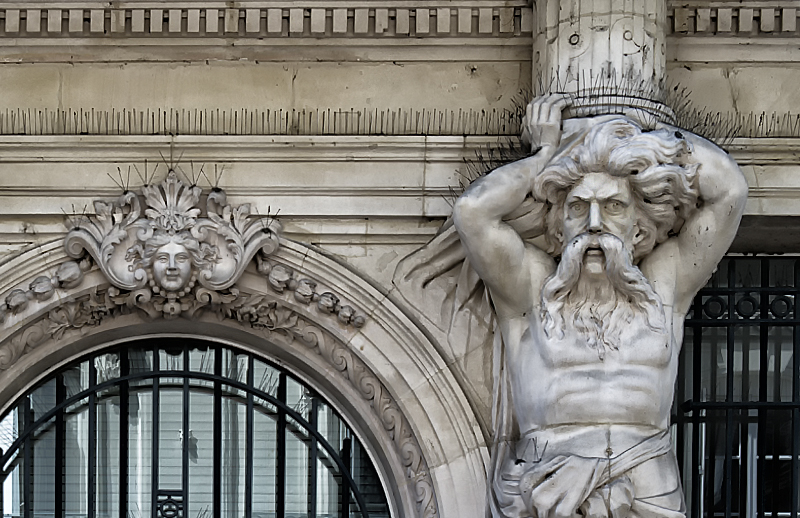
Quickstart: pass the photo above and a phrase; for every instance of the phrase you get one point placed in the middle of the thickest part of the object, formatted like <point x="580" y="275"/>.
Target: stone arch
<point x="386" y="376"/>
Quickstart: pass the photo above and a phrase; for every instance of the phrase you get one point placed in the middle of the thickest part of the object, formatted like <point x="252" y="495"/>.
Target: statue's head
<point x="173" y="257"/>
<point x="611" y="200"/>
<point x="619" y="180"/>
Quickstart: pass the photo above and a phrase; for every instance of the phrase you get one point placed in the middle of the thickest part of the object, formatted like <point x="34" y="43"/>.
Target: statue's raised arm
<point x="689" y="258"/>
<point x="496" y="251"/>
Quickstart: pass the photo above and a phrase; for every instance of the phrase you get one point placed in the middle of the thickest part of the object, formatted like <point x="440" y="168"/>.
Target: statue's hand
<point x="542" y="123"/>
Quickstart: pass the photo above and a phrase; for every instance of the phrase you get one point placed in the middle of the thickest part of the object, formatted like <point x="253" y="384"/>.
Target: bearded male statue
<point x="635" y="223"/>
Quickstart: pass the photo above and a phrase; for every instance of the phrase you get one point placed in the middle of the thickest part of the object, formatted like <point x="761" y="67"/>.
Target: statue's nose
<point x="595" y="218"/>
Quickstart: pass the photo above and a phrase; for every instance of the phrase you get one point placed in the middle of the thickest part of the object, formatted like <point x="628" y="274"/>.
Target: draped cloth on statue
<point x="554" y="482"/>
<point x="439" y="276"/>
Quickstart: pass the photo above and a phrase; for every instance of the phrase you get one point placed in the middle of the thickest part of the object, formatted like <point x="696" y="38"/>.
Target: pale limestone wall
<point x="226" y="84"/>
<point x="364" y="198"/>
<point x="736" y="57"/>
<point x="390" y="61"/>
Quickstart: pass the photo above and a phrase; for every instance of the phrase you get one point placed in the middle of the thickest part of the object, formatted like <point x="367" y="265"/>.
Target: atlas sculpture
<point x="632" y="223"/>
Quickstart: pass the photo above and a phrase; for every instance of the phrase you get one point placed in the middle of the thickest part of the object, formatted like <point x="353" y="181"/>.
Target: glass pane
<point x="76" y="457"/>
<point x="170" y="452"/>
<point x="44" y="447"/>
<point x="201" y="454"/>
<point x="777" y="465"/>
<point x="140" y="360"/>
<point x="330" y="426"/>
<point x="747" y="272"/>
<point x="265" y="378"/>
<point x="368" y="483"/>
<point x="9" y="430"/>
<point x="713" y="367"/>
<point x="748" y="353"/>
<point x="12" y="493"/>
<point x="779" y="372"/>
<point x="107" y="456"/>
<point x="354" y="511"/>
<point x="76" y="379"/>
<point x="234" y="365"/>
<point x="298" y="398"/>
<point x="685" y="391"/>
<point x="296" y="482"/>
<point x="140" y="441"/>
<point x="170" y="358"/>
<point x="781" y="272"/>
<point x="329" y="488"/>
<point x="107" y="367"/>
<point x="264" y="459"/>
<point x="43" y="399"/>
<point x="234" y="442"/>
<point x="202" y="360"/>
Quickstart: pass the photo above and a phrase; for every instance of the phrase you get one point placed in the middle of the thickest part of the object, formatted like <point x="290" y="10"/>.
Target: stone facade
<point x="349" y="125"/>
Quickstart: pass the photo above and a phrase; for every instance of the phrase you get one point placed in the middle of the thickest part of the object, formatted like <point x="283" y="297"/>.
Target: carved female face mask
<point x="172" y="266"/>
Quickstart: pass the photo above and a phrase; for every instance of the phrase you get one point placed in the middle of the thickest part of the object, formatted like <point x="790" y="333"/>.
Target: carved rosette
<point x="170" y="259"/>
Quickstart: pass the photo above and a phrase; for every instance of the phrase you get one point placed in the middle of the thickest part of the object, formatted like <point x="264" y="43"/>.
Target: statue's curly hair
<point x="664" y="185"/>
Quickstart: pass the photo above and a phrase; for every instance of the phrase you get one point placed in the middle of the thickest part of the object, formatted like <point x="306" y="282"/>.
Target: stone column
<point x="608" y="53"/>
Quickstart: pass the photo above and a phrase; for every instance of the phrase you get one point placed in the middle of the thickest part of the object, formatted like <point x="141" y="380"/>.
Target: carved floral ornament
<point x="172" y="259"/>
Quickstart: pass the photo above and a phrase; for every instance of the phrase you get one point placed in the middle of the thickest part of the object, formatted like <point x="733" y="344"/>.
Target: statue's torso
<point x="563" y="382"/>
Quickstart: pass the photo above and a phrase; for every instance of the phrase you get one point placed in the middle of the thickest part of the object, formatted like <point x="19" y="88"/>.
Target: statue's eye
<point x="182" y="258"/>
<point x="578" y="208"/>
<point x="162" y="259"/>
<point x="614" y="206"/>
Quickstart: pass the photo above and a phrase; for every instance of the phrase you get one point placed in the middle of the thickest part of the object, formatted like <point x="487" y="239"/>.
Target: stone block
<point x="54" y="21"/>
<point x="156" y="21"/>
<point x="296" y="17"/>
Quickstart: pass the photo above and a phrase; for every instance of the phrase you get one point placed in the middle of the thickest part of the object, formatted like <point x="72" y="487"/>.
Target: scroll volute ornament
<point x="170" y="247"/>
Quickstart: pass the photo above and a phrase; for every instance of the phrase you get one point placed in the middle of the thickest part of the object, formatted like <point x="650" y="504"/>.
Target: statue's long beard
<point x="598" y="315"/>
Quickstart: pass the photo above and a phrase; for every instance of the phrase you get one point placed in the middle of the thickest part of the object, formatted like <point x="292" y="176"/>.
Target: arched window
<point x="179" y="428"/>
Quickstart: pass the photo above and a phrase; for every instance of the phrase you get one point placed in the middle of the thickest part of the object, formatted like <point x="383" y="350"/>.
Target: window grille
<point x="737" y="412"/>
<point x="173" y="428"/>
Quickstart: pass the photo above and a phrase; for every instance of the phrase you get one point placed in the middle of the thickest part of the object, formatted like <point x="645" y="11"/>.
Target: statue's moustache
<point x="612" y="246"/>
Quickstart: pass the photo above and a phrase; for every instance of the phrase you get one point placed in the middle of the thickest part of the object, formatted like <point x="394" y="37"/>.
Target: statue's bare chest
<point x="637" y="344"/>
<point x="558" y="380"/>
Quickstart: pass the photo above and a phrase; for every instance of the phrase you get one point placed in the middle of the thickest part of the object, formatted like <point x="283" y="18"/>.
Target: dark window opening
<point x="738" y="393"/>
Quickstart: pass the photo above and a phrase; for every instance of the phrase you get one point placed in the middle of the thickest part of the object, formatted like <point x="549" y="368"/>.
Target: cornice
<point x="364" y="31"/>
<point x="320" y="176"/>
<point x="730" y="31"/>
<point x="424" y="30"/>
<point x="743" y="19"/>
<point x="765" y="151"/>
<point x="235" y="148"/>
<point x="309" y="148"/>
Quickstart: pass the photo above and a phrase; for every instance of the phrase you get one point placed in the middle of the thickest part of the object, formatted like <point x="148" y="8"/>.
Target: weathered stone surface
<point x="585" y="373"/>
